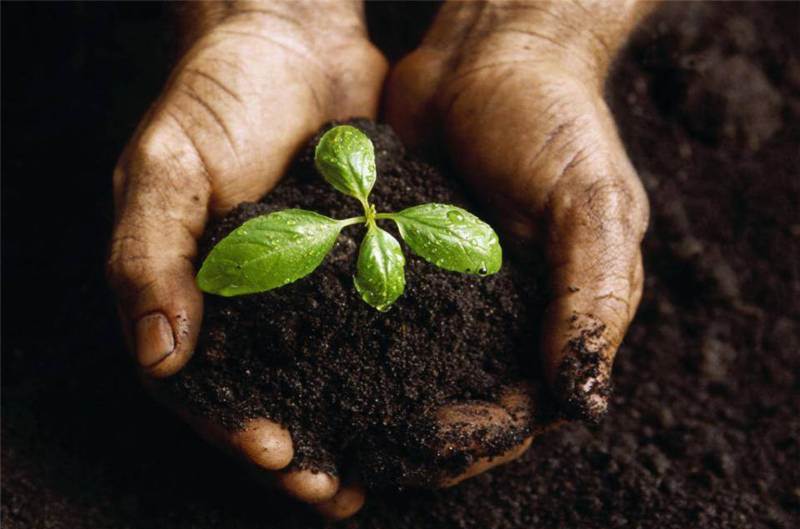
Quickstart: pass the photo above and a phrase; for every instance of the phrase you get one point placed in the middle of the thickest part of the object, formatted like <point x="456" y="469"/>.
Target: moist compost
<point x="703" y="429"/>
<point x="358" y="388"/>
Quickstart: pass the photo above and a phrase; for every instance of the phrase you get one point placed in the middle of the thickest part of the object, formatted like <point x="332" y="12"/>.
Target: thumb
<point x="162" y="193"/>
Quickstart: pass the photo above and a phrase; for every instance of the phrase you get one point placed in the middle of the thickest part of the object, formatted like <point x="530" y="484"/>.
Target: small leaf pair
<point x="273" y="250"/>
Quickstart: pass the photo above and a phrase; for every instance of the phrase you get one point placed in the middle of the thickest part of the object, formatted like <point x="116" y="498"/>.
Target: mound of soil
<point x="350" y="383"/>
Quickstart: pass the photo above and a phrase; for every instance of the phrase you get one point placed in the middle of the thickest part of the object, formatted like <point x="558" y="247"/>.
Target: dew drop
<point x="455" y="215"/>
<point x="482" y="271"/>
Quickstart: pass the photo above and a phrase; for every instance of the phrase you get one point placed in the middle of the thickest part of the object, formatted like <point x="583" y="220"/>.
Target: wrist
<point x="313" y="19"/>
<point x="594" y="30"/>
<point x="578" y="36"/>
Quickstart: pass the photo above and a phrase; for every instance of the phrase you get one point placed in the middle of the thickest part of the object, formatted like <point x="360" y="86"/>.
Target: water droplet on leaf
<point x="455" y="215"/>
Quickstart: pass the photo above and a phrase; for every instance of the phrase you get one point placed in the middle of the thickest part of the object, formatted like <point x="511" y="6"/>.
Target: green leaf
<point x="380" y="278"/>
<point x="451" y="238"/>
<point x="346" y="158"/>
<point x="268" y="252"/>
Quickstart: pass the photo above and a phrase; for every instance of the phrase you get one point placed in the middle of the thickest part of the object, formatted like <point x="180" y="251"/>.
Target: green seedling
<point x="273" y="250"/>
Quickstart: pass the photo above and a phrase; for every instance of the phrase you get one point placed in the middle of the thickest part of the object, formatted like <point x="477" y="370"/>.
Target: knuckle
<point x="161" y="179"/>
<point x="617" y="309"/>
<point x="127" y="266"/>
<point x="164" y="158"/>
<point x="606" y="200"/>
<point x="167" y="153"/>
<point x="612" y="205"/>
<point x="139" y="256"/>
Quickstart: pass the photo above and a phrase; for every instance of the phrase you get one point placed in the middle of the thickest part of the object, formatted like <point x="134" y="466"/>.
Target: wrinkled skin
<point x="512" y="91"/>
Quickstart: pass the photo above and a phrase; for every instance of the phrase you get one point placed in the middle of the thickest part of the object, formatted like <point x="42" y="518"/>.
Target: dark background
<point x="703" y="430"/>
<point x="76" y="78"/>
<point x="75" y="425"/>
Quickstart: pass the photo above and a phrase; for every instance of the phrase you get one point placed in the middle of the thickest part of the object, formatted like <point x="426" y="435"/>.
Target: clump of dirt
<point x="351" y="383"/>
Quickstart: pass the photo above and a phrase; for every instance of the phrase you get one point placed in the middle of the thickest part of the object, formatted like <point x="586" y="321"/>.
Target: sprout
<point x="274" y="250"/>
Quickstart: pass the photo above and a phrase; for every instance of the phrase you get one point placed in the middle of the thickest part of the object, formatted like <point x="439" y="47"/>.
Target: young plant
<point x="276" y="249"/>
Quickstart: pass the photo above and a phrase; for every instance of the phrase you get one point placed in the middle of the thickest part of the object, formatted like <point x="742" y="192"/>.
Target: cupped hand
<point x="514" y="92"/>
<point x="256" y="82"/>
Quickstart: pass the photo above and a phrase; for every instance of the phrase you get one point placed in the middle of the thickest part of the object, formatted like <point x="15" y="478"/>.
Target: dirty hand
<point x="256" y="82"/>
<point x="514" y="91"/>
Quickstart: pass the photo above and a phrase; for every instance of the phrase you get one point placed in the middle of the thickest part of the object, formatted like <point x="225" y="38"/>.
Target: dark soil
<point x="353" y="385"/>
<point x="703" y="431"/>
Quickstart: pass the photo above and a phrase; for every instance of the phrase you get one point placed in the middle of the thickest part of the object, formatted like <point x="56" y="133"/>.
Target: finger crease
<point x="203" y="162"/>
<point x="216" y="82"/>
<point x="217" y="118"/>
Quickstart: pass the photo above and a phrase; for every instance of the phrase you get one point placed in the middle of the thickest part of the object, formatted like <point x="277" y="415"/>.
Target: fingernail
<point x="154" y="339"/>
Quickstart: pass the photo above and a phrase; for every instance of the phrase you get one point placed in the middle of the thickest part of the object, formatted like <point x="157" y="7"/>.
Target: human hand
<point x="256" y="82"/>
<point x="515" y="93"/>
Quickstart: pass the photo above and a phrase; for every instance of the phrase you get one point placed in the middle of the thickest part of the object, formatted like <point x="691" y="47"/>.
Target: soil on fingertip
<point x="357" y="388"/>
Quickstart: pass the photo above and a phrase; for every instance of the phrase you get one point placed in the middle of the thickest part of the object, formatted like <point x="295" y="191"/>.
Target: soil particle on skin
<point x="359" y="389"/>
<point x="582" y="384"/>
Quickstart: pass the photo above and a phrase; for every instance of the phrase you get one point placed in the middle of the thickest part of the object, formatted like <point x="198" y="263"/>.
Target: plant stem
<point x="384" y="215"/>
<point x="365" y="205"/>
<point x="353" y="220"/>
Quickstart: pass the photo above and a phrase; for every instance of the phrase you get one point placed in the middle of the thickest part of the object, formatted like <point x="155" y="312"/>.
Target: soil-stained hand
<point x="514" y="90"/>
<point x="257" y="81"/>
